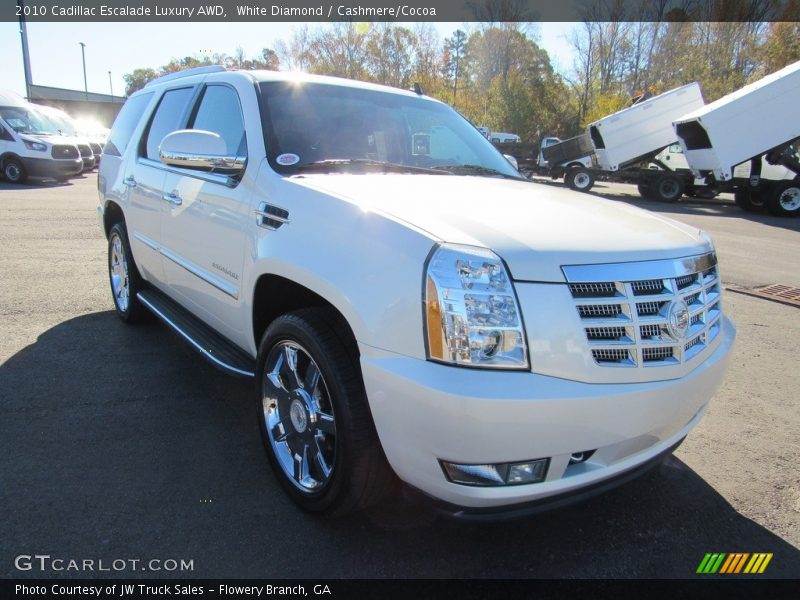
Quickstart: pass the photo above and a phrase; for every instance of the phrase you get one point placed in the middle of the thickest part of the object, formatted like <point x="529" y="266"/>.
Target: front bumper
<point x="425" y="412"/>
<point x="52" y="167"/>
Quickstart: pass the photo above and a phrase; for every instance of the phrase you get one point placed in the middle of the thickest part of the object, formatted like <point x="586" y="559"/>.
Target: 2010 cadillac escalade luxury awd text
<point x="409" y="306"/>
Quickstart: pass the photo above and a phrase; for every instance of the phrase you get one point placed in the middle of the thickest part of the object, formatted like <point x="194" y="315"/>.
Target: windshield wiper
<point x="335" y="164"/>
<point x="476" y="170"/>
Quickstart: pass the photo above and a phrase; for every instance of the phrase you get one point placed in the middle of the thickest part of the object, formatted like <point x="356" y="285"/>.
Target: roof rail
<point x="186" y="73"/>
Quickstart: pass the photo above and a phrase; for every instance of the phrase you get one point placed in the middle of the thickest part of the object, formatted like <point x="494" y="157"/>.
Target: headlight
<point x="38" y="146"/>
<point x="472" y="316"/>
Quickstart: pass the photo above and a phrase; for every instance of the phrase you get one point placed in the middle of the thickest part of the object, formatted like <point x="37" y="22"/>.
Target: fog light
<point x="527" y="472"/>
<point x="532" y="471"/>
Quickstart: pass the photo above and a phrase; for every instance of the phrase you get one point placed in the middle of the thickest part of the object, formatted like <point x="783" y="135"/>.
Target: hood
<point x="536" y="228"/>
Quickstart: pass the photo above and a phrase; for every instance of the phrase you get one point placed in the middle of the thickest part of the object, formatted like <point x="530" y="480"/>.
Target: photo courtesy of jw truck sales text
<point x="300" y="294"/>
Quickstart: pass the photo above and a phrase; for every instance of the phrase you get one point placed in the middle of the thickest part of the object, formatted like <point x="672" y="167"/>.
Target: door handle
<point x="129" y="181"/>
<point x="173" y="198"/>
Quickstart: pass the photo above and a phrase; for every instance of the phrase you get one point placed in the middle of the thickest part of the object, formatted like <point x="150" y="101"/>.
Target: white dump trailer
<point x="628" y="146"/>
<point x="758" y="127"/>
<point x="637" y="133"/>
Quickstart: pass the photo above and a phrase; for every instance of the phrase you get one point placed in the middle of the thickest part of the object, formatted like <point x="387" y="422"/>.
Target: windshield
<point x="25" y="120"/>
<point x="314" y="124"/>
<point x="59" y="122"/>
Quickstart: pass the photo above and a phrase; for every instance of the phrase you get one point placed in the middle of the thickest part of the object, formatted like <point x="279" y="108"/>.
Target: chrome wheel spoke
<point x="280" y="432"/>
<point x="301" y="466"/>
<point x="321" y="464"/>
<point x="325" y="423"/>
<point x="311" y="379"/>
<point x="290" y="362"/>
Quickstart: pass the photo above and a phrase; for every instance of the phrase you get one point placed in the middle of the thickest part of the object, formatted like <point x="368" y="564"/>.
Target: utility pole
<point x="83" y="56"/>
<point x="110" y="85"/>
<point x="26" y="59"/>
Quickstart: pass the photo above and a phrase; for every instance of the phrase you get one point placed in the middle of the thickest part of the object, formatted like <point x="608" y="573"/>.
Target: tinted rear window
<point x="125" y="124"/>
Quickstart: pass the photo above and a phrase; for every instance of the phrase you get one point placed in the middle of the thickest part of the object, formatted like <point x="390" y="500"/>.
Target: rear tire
<point x="314" y="417"/>
<point x="645" y="190"/>
<point x="784" y="200"/>
<point x="748" y="200"/>
<point x="14" y="171"/>
<point x="124" y="277"/>
<point x="667" y="188"/>
<point x="579" y="179"/>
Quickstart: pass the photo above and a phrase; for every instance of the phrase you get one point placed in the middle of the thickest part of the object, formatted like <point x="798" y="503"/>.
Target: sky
<point x="122" y="47"/>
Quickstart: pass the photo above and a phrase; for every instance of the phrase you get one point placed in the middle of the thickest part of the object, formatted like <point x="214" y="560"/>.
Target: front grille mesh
<point x="593" y="311"/>
<point x="64" y="151"/>
<point x="632" y="331"/>
<point x="593" y="290"/>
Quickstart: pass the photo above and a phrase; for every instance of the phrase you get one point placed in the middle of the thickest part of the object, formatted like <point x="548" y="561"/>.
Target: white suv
<point x="408" y="305"/>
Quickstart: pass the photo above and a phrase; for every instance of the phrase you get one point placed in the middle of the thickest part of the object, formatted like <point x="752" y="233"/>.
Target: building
<point x="101" y="107"/>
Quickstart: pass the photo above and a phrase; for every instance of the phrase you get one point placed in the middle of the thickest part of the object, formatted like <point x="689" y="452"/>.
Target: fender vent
<point x="271" y="217"/>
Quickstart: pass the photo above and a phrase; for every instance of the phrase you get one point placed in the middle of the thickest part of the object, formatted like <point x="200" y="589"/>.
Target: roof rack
<point x="186" y="73"/>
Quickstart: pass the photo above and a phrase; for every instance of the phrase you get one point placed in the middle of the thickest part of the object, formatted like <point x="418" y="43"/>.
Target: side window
<point x="220" y="112"/>
<point x="5" y="135"/>
<point x="125" y="123"/>
<point x="168" y="118"/>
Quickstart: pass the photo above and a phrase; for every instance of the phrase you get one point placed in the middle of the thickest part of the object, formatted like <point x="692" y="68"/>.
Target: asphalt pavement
<point x="120" y="443"/>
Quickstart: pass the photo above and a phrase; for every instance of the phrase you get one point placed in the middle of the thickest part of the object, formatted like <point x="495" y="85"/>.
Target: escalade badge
<point x="678" y="319"/>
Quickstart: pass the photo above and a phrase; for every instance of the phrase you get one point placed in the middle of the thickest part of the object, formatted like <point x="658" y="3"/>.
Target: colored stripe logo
<point x="735" y="562"/>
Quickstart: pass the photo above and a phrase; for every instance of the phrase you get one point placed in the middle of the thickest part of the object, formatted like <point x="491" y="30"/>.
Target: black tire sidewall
<point x="22" y="175"/>
<point x="657" y="191"/>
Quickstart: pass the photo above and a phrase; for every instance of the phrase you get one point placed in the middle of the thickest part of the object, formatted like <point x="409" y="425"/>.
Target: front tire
<point x="124" y="277"/>
<point x="748" y="200"/>
<point x="784" y="201"/>
<point x="315" y="422"/>
<point x="14" y="171"/>
<point x="667" y="188"/>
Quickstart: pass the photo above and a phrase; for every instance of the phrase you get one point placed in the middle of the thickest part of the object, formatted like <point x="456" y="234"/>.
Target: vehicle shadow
<point x="36" y="184"/>
<point x="119" y="442"/>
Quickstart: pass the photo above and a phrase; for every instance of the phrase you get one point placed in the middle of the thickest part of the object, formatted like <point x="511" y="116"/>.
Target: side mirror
<point x="512" y="160"/>
<point x="198" y="149"/>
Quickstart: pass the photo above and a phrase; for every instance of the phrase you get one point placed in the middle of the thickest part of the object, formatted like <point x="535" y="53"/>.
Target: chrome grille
<point x="593" y="290"/>
<point x="596" y="311"/>
<point x="649" y="287"/>
<point x="62" y="151"/>
<point x="633" y="329"/>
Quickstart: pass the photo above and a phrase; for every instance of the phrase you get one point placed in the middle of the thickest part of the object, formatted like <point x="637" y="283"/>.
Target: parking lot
<point x="119" y="442"/>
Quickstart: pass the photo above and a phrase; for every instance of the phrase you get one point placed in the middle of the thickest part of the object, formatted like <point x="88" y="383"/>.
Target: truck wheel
<point x="579" y="179"/>
<point x="13" y="171"/>
<point x="748" y="200"/>
<point x="784" y="201"/>
<point x="124" y="277"/>
<point x="667" y="188"/>
<point x="315" y="422"/>
<point x="645" y="190"/>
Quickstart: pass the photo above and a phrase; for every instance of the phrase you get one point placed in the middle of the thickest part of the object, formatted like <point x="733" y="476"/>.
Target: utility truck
<point x="748" y="142"/>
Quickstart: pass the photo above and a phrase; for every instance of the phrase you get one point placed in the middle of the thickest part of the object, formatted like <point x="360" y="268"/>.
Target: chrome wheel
<point x="119" y="273"/>
<point x="298" y="416"/>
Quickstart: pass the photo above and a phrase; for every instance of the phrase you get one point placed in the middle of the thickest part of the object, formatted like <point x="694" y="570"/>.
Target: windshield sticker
<point x="287" y="159"/>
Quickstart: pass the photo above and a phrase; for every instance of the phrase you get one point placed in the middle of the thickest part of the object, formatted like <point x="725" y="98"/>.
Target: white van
<point x="91" y="149"/>
<point x="28" y="148"/>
